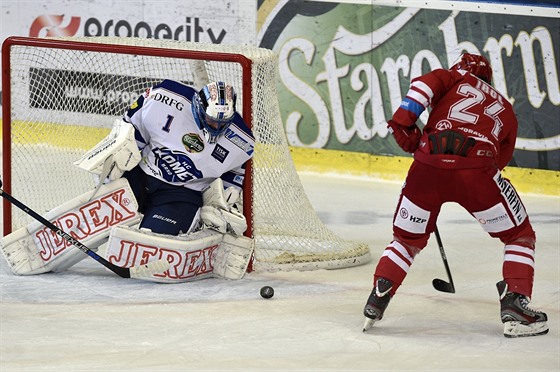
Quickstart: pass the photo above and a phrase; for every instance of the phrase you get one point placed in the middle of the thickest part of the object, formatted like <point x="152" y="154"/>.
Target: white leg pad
<point x="194" y="256"/>
<point x="21" y="253"/>
<point x="36" y="249"/>
<point x="233" y="257"/>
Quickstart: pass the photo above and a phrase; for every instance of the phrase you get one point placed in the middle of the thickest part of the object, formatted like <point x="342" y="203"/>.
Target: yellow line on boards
<point x="395" y="168"/>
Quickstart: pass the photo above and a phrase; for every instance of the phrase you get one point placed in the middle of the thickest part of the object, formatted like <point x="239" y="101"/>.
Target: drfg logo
<point x="60" y="25"/>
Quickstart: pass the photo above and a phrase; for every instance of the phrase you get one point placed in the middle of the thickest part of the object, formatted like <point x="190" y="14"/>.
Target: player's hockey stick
<point x="442" y="285"/>
<point x="136" y="272"/>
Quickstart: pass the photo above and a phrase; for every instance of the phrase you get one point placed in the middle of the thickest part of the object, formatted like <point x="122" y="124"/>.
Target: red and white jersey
<point x="174" y="148"/>
<point x="462" y="102"/>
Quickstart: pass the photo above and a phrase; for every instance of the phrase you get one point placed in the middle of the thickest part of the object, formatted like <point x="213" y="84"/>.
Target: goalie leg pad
<point x="21" y="253"/>
<point x="36" y="249"/>
<point x="203" y="254"/>
<point x="189" y="256"/>
<point x="233" y="256"/>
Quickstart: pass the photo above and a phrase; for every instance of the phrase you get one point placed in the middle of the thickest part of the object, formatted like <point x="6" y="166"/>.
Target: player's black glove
<point x="407" y="138"/>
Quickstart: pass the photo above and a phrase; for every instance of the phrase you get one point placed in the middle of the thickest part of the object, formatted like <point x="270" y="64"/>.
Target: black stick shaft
<point x="123" y="272"/>
<point x="443" y="257"/>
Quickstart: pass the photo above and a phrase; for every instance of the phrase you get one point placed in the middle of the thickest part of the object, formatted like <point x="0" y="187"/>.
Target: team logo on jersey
<point x="443" y="125"/>
<point x="193" y="142"/>
<point x="175" y="166"/>
<point x="220" y="153"/>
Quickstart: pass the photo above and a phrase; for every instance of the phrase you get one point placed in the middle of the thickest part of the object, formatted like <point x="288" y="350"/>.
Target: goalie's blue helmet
<point x="214" y="108"/>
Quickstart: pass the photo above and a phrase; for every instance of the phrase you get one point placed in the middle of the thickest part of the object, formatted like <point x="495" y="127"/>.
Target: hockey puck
<point x="267" y="292"/>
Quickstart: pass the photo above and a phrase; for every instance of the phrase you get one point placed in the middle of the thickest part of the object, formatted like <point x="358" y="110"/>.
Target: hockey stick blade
<point x="140" y="272"/>
<point x="443" y="286"/>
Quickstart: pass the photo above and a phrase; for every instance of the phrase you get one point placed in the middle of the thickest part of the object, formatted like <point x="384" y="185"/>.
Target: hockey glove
<point x="222" y="210"/>
<point x="407" y="138"/>
<point x="232" y="222"/>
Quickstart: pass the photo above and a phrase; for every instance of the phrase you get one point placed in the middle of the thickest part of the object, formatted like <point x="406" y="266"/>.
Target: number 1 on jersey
<point x="168" y="123"/>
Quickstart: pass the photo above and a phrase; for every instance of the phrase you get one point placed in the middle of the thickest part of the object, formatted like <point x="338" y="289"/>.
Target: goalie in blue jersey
<point x="178" y="156"/>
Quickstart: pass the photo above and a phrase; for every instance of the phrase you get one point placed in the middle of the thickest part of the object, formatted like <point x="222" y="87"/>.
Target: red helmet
<point x="476" y="65"/>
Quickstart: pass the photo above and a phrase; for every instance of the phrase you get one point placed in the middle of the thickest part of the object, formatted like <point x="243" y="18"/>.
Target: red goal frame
<point x="244" y="62"/>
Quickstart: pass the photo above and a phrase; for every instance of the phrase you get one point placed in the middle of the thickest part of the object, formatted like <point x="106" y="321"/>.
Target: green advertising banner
<point x="344" y="69"/>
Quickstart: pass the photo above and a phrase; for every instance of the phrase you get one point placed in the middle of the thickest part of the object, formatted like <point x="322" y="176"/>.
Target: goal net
<point x="61" y="96"/>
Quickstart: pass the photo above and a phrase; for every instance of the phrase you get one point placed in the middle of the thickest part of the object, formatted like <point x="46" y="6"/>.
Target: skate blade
<point x="368" y="324"/>
<point x="516" y="329"/>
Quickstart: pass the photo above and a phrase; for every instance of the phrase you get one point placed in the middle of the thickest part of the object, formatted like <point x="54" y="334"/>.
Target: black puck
<point x="267" y="292"/>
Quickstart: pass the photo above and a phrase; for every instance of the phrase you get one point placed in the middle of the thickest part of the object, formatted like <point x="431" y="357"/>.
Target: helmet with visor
<point x="214" y="108"/>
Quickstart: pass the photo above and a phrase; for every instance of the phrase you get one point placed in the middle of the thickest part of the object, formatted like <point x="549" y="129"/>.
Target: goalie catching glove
<point x="407" y="138"/>
<point x="114" y="155"/>
<point x="222" y="210"/>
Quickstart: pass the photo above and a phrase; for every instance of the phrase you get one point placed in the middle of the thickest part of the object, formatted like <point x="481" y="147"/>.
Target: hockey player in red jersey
<point x="468" y="139"/>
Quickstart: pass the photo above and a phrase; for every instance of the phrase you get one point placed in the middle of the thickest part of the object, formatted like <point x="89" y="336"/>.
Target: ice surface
<point x="88" y="319"/>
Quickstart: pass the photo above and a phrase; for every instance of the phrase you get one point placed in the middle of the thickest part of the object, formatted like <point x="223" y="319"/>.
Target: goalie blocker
<point x="114" y="155"/>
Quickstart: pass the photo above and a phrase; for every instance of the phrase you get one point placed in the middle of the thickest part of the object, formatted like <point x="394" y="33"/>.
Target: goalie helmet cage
<point x="61" y="96"/>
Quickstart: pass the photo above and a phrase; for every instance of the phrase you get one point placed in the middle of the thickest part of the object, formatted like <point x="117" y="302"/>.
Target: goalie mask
<point x="213" y="108"/>
<point x="476" y="65"/>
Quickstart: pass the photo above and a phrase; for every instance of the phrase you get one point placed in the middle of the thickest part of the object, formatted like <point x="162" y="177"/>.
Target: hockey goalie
<point x="170" y="176"/>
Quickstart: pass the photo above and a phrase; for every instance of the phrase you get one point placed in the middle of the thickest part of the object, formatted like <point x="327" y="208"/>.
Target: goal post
<point x="60" y="97"/>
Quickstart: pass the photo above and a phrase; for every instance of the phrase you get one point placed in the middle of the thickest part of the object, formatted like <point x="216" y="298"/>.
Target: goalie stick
<point x="439" y="284"/>
<point x="136" y="272"/>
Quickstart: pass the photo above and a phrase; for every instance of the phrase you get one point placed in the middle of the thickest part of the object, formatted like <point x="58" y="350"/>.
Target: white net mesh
<point x="65" y="94"/>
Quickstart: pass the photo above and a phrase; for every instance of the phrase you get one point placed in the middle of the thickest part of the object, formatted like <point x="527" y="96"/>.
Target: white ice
<point x="88" y="319"/>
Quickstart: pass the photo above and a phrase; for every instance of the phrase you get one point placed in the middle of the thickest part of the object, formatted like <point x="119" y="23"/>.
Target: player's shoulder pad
<point x="240" y="123"/>
<point x="178" y="88"/>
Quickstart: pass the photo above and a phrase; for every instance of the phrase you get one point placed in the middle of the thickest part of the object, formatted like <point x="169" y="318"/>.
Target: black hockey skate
<point x="377" y="302"/>
<point x="519" y="320"/>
